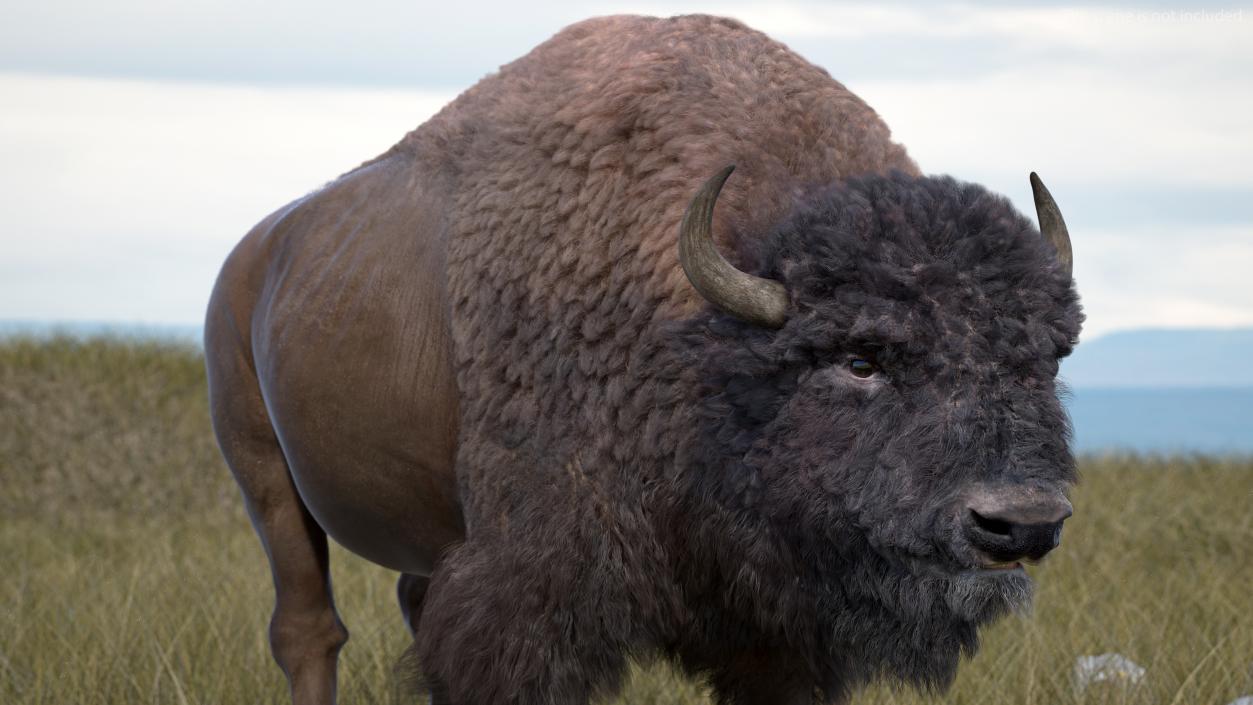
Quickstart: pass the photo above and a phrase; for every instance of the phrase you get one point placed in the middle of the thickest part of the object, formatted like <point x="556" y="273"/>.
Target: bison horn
<point x="747" y="297"/>
<point x="1051" y="223"/>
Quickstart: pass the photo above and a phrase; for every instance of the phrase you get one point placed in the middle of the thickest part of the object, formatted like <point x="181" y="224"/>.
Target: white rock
<point x="1242" y="700"/>
<point x="1109" y="668"/>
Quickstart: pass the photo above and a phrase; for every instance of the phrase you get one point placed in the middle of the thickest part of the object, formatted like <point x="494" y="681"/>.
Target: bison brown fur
<point x="788" y="511"/>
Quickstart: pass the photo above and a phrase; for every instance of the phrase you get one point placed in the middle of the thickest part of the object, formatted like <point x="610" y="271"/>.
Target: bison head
<point x="881" y="404"/>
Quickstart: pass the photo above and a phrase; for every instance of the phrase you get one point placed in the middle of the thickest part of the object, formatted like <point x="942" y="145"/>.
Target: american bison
<point x="793" y="443"/>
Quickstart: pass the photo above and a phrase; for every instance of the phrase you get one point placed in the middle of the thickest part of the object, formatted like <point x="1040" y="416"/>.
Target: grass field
<point x="129" y="573"/>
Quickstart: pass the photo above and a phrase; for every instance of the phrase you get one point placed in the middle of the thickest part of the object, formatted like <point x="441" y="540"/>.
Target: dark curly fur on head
<point x="838" y="496"/>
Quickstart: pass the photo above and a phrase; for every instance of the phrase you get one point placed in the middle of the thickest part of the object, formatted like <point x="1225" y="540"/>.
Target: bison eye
<point x="861" y="367"/>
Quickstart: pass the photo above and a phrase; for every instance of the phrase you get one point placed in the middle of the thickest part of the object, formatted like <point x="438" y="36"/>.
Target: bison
<point x="796" y="442"/>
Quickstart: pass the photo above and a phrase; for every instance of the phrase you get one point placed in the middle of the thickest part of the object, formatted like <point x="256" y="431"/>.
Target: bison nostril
<point x="992" y="525"/>
<point x="1007" y="524"/>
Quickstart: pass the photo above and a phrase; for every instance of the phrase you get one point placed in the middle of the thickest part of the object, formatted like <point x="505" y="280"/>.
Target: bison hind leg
<point x="306" y="633"/>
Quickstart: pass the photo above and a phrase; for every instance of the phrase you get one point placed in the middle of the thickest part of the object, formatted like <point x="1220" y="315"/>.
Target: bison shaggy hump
<point x="788" y="505"/>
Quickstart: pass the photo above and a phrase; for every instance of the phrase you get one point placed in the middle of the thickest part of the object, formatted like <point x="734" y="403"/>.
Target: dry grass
<point x="130" y="574"/>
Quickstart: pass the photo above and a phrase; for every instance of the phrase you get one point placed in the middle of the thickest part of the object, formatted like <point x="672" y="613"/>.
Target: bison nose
<point x="1008" y="528"/>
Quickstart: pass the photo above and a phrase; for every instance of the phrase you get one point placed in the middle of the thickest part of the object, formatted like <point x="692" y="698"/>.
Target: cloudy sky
<point x="140" y="139"/>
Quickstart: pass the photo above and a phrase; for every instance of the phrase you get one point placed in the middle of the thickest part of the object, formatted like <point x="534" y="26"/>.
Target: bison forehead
<point x="929" y="266"/>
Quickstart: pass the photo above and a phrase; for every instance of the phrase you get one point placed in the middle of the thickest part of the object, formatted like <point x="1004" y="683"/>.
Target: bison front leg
<point x="411" y="593"/>
<point x="507" y="626"/>
<point x="765" y="679"/>
<point x="410" y="589"/>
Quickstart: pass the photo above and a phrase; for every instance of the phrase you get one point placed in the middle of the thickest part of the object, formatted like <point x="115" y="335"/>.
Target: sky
<point x="139" y="140"/>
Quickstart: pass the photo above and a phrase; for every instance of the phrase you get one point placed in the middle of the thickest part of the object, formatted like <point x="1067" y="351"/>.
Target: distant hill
<point x="1163" y="359"/>
<point x="1165" y="420"/>
<point x="177" y="332"/>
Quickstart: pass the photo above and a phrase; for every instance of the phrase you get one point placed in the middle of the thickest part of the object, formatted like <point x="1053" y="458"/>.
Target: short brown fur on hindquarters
<point x="477" y="360"/>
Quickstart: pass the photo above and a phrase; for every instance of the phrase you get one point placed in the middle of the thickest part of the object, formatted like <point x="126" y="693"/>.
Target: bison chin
<point x="911" y="621"/>
<point x="973" y="596"/>
<point x="982" y="597"/>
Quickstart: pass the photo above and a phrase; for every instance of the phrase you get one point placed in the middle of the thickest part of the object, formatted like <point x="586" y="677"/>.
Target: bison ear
<point x="747" y="297"/>
<point x="1052" y="225"/>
